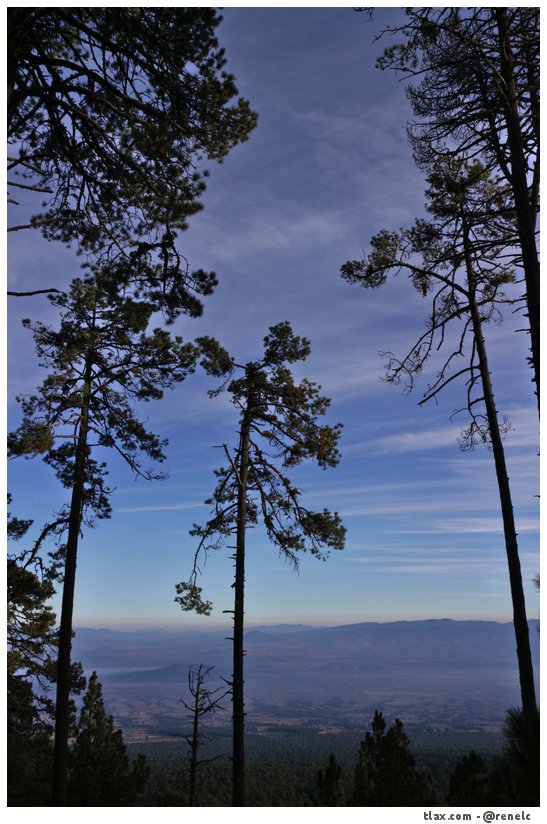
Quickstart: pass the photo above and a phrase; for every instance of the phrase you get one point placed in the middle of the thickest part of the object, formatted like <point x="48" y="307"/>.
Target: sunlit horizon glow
<point x="299" y="620"/>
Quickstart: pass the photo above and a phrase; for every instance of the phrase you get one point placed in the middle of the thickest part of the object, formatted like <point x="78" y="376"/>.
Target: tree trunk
<point x="64" y="669"/>
<point x="525" y="212"/>
<point x="195" y="744"/>
<point x="520" y="621"/>
<point x="238" y="705"/>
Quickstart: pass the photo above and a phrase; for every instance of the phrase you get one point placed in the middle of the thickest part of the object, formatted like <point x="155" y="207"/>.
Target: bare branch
<point x="34" y="292"/>
<point x="31" y="188"/>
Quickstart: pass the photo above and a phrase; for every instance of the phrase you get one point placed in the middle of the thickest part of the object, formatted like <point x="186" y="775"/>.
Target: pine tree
<point x="386" y="774"/>
<point x="101" y="359"/>
<point x="329" y="792"/>
<point x="278" y="430"/>
<point x="31" y="664"/>
<point x="30" y="618"/>
<point x="30" y="671"/>
<point x="100" y="773"/>
<point x="476" y="97"/>
<point x="468" y="782"/>
<point x="112" y="112"/>
<point x="515" y="777"/>
<point x="457" y="255"/>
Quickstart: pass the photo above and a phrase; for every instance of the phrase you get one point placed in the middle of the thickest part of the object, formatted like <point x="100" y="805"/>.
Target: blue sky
<point x="327" y="167"/>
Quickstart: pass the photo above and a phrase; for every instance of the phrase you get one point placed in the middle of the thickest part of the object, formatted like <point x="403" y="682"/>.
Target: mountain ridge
<point x="432" y="673"/>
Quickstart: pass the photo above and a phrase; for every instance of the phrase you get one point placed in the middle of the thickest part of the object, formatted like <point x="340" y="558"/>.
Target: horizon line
<point x="171" y="626"/>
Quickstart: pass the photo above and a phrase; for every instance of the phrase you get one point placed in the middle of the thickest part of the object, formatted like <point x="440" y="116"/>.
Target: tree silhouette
<point x="112" y="112"/>
<point x="30" y="618"/>
<point x="329" y="793"/>
<point x="386" y="774"/>
<point x="30" y="670"/>
<point x="468" y="782"/>
<point x="31" y="663"/>
<point x="204" y="701"/>
<point x="100" y="359"/>
<point x="101" y="774"/>
<point x="456" y="256"/>
<point x="278" y="430"/>
<point x="515" y="776"/>
<point x="477" y="98"/>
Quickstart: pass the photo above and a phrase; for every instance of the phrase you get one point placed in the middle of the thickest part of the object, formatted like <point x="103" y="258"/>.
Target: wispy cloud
<point x="401" y="442"/>
<point x="158" y="507"/>
<point x="281" y="228"/>
<point x="462" y="526"/>
<point x="453" y="568"/>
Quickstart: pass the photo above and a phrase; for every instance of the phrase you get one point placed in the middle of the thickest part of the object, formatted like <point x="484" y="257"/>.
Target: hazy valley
<point x="435" y="675"/>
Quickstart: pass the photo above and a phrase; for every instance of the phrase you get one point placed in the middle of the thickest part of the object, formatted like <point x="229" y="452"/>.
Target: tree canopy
<point x="475" y="96"/>
<point x="461" y="93"/>
<point x="465" y="214"/>
<point x="100" y="356"/>
<point x="112" y="113"/>
<point x="279" y="417"/>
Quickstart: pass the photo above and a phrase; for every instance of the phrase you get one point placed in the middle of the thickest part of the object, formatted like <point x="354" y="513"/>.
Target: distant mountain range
<point x="433" y="673"/>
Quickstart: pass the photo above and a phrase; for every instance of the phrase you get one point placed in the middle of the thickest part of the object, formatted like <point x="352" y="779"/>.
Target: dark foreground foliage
<point x="100" y="772"/>
<point x="298" y="769"/>
<point x="304" y="768"/>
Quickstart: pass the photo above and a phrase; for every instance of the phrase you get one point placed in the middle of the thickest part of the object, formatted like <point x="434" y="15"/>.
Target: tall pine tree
<point x="100" y="360"/>
<point x="457" y="257"/>
<point x="278" y="430"/>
